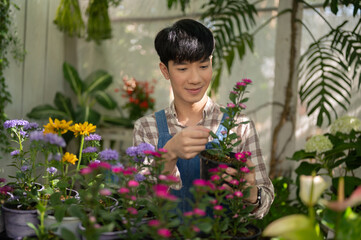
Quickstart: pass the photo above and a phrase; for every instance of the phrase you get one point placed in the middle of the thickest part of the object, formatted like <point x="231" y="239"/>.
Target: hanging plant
<point x="68" y="18"/>
<point x="99" y="26"/>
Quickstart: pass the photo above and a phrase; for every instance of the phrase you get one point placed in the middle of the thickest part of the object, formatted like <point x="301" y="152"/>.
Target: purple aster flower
<point x="89" y="150"/>
<point x="14" y="123"/>
<point x="93" y="137"/>
<point x="55" y="156"/>
<point x="144" y="147"/>
<point x="15" y="153"/>
<point x="36" y="136"/>
<point x="52" y="170"/>
<point x="30" y="126"/>
<point x="132" y="151"/>
<point x="54" y="139"/>
<point x="95" y="161"/>
<point x="24" y="168"/>
<point x="108" y="154"/>
<point x="139" y="177"/>
<point x="23" y="133"/>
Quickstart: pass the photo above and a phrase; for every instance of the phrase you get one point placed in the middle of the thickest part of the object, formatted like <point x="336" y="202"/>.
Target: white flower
<point x="306" y="182"/>
<point x="345" y="124"/>
<point x="318" y="144"/>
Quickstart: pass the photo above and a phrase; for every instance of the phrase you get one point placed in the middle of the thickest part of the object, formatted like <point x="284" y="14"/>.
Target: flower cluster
<point x="318" y="144"/>
<point x="139" y="97"/>
<point x="345" y="124"/>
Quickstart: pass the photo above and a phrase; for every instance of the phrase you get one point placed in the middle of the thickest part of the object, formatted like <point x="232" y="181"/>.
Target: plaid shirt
<point x="145" y="130"/>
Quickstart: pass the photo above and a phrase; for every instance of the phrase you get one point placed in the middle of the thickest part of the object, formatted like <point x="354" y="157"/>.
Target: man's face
<point x="189" y="80"/>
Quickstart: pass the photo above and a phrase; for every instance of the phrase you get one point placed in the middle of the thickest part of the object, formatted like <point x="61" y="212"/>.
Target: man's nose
<point x="195" y="77"/>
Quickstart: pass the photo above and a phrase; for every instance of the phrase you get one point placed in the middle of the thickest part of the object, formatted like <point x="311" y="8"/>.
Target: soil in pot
<point x="209" y="161"/>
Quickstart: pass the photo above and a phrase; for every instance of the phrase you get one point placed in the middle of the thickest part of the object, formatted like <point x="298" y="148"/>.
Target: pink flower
<point x="127" y="172"/>
<point x="132" y="211"/>
<point x="244" y="169"/>
<point x="231" y="105"/>
<point x="223" y="132"/>
<point x="243" y="106"/>
<point x="149" y="152"/>
<point x="85" y="171"/>
<point x="213" y="170"/>
<point x="195" y="228"/>
<point x="248" y="153"/>
<point x="241" y="84"/>
<point x="162" y="177"/>
<point x="239" y="155"/>
<point x="200" y="182"/>
<point x="229" y="196"/>
<point x="199" y="212"/>
<point x="246" y="80"/>
<point x="162" y="192"/>
<point x="162" y="150"/>
<point x="215" y="178"/>
<point x="234" y="182"/>
<point x="133" y="183"/>
<point x="133" y="198"/>
<point x="93" y="165"/>
<point x="187" y="214"/>
<point x="153" y="223"/>
<point x="105" y="165"/>
<point x="238" y="194"/>
<point x="218" y="207"/>
<point x="172" y="178"/>
<point x="105" y="192"/>
<point x="123" y="190"/>
<point x="223" y="166"/>
<point x="164" y="232"/>
<point x="117" y="169"/>
<point x="213" y="201"/>
<point x="221" y="188"/>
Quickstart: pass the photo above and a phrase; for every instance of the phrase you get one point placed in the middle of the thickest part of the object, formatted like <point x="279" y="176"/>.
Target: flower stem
<point x="80" y="152"/>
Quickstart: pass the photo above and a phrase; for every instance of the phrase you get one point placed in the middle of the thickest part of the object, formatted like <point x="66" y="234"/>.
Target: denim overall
<point x="189" y="168"/>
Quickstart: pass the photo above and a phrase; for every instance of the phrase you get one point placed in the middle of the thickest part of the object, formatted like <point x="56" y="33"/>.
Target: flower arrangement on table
<point x="139" y="97"/>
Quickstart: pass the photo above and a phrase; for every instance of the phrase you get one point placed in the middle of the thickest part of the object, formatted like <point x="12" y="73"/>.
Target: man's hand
<point x="185" y="144"/>
<point x="249" y="177"/>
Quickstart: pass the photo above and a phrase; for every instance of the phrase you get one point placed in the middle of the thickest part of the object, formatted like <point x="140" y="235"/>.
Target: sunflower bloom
<point x="70" y="158"/>
<point x="57" y="126"/>
<point x="82" y="128"/>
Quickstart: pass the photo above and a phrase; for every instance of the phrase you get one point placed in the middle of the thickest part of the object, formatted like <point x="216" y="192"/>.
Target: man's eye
<point x="182" y="69"/>
<point x="204" y="67"/>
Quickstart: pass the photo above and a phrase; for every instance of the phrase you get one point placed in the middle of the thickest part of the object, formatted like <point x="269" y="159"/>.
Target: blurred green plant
<point x="88" y="92"/>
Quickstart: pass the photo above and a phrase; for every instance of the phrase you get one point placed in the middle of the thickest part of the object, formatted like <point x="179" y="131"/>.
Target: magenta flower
<point x="238" y="194"/>
<point x="132" y="211"/>
<point x="244" y="169"/>
<point x="213" y="170"/>
<point x="246" y="80"/>
<point x="234" y="182"/>
<point x="199" y="212"/>
<point x="218" y="207"/>
<point x="200" y="183"/>
<point x="85" y="171"/>
<point x="133" y="183"/>
<point x="223" y="166"/>
<point x="239" y="155"/>
<point x="241" y="84"/>
<point x="243" y="106"/>
<point x="229" y="196"/>
<point x="195" y="228"/>
<point x="117" y="169"/>
<point x="164" y="232"/>
<point x="162" y="150"/>
<point x="123" y="190"/>
<point x="188" y="214"/>
<point x="154" y="223"/>
<point x="231" y="105"/>
<point x="215" y="178"/>
<point x="213" y="201"/>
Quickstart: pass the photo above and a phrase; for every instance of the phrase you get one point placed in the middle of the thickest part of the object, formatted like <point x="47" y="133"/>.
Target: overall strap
<point x="161" y="122"/>
<point x="221" y="127"/>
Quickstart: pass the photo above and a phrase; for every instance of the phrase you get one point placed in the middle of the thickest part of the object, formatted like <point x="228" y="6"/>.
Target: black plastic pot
<point x="208" y="163"/>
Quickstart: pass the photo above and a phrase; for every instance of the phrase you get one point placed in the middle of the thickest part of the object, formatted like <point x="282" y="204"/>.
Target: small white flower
<point x="345" y="124"/>
<point x="319" y="185"/>
<point x="318" y="144"/>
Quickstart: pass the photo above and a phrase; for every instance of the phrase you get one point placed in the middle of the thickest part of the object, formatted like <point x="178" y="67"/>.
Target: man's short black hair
<point x="185" y="40"/>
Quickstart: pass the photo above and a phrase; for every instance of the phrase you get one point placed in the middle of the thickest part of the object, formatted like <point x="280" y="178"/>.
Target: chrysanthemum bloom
<point x="195" y="228"/>
<point x="164" y="232"/>
<point x="57" y="126"/>
<point x="215" y="178"/>
<point x="241" y="84"/>
<point x="246" y="80"/>
<point x="238" y="194"/>
<point x="345" y="124"/>
<point x="229" y="196"/>
<point x="213" y="201"/>
<point x="222" y="166"/>
<point x="231" y="105"/>
<point x="14" y="123"/>
<point x="85" y="171"/>
<point x="123" y="190"/>
<point x="200" y="182"/>
<point x="132" y="211"/>
<point x="162" y="150"/>
<point x="188" y="214"/>
<point x="70" y="158"/>
<point x="199" y="212"/>
<point x="218" y="207"/>
<point x="318" y="144"/>
<point x="105" y="192"/>
<point x="83" y="128"/>
<point x="244" y="169"/>
<point x="234" y="182"/>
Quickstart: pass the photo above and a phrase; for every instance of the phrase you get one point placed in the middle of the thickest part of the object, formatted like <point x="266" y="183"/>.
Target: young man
<point x="185" y="50"/>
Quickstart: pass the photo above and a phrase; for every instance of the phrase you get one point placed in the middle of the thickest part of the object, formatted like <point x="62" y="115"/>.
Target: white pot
<point x="70" y="223"/>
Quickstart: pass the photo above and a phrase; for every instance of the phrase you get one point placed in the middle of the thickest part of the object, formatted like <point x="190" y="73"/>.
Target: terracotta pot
<point x="15" y="222"/>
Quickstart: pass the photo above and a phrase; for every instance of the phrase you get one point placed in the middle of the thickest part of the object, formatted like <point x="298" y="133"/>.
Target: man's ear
<point x="163" y="68"/>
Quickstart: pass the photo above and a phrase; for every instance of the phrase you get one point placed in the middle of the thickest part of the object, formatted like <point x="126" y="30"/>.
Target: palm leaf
<point x="105" y="100"/>
<point x="72" y="77"/>
<point x="97" y="81"/>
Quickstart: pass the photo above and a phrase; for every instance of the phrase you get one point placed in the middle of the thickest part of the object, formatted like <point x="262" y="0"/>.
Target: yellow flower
<point x="70" y="158"/>
<point x="56" y="126"/>
<point x="82" y="128"/>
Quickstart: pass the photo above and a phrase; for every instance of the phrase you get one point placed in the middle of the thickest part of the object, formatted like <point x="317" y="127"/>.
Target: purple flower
<point x="52" y="170"/>
<point x="108" y="154"/>
<point x="36" y="136"/>
<point x="24" y="168"/>
<point x="89" y="150"/>
<point x="95" y="161"/>
<point x="145" y="147"/>
<point x="2" y="180"/>
<point x="55" y="156"/>
<point x="15" y="153"/>
<point x="14" y="123"/>
<point x="23" y="133"/>
<point x="132" y="151"/>
<point x="93" y="137"/>
<point x="139" y="177"/>
<point x="54" y="139"/>
<point x="30" y="126"/>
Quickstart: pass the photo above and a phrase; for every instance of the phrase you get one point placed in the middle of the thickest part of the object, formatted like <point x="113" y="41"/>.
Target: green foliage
<point x="325" y="68"/>
<point x="88" y="92"/>
<point x="334" y="5"/>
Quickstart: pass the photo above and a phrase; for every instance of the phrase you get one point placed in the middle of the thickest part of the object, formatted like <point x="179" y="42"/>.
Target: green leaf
<point x="64" y="104"/>
<point x="307" y="168"/>
<point x="46" y="111"/>
<point x="72" y="77"/>
<point x="302" y="154"/>
<point x="67" y="234"/>
<point x="105" y="100"/>
<point x="84" y="114"/>
<point x="97" y="81"/>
